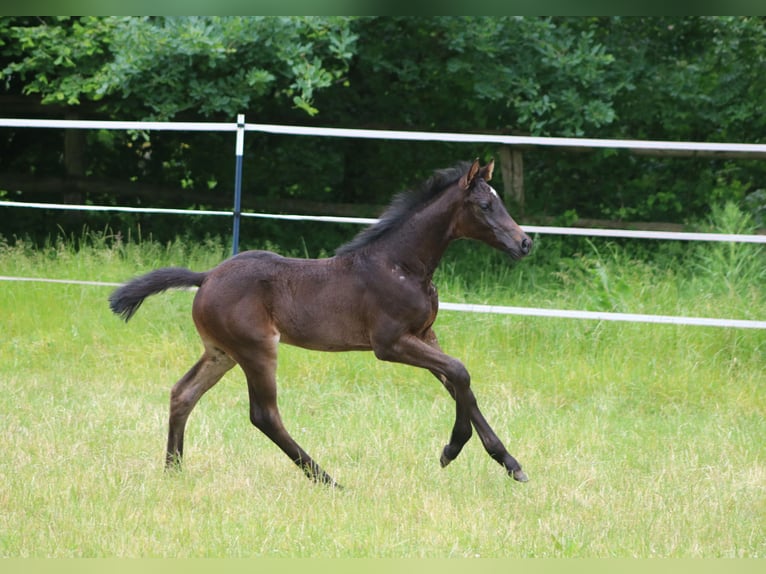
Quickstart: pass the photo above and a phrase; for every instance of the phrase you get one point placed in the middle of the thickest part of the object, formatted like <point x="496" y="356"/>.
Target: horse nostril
<point x="526" y="245"/>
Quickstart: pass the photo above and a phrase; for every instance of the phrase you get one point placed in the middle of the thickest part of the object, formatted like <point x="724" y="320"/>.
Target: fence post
<point x="238" y="183"/>
<point x="512" y="165"/>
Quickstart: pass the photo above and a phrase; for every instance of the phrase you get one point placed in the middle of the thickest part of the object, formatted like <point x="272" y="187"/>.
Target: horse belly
<point x="323" y="330"/>
<point x="321" y="318"/>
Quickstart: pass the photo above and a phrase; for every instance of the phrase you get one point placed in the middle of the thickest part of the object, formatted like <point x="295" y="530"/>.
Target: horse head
<point x="483" y="215"/>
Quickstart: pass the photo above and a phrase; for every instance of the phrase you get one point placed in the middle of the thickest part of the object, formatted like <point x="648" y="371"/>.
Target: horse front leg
<point x="461" y="431"/>
<point x="452" y="373"/>
<point x="467" y="412"/>
<point x="495" y="447"/>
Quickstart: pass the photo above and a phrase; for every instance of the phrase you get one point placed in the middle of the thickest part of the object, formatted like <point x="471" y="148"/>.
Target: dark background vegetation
<point x="663" y="78"/>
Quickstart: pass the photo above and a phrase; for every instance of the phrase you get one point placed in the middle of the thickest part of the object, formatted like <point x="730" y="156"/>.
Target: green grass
<point x="640" y="440"/>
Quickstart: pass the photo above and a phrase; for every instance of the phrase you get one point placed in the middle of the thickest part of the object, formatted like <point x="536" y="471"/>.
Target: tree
<point x="684" y="79"/>
<point x="540" y="76"/>
<point x="159" y="68"/>
<point x="671" y="78"/>
<point x="531" y="75"/>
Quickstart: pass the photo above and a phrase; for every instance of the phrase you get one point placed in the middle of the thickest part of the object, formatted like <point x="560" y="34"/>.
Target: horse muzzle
<point x="525" y="246"/>
<point x="518" y="248"/>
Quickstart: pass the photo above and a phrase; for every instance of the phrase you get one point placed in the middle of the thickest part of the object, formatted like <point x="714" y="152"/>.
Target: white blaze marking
<point x="492" y="189"/>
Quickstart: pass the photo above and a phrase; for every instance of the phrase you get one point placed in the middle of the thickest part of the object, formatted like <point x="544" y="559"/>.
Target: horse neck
<point x="419" y="244"/>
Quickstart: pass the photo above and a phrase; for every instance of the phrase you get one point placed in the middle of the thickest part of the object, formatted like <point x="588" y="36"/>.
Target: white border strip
<point x="626" y="233"/>
<point x="504" y="310"/>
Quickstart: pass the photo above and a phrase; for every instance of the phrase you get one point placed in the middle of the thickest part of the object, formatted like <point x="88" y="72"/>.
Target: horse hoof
<point x="444" y="460"/>
<point x="520" y="476"/>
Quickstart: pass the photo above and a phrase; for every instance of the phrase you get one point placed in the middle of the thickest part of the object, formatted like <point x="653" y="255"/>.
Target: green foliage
<point x="731" y="267"/>
<point x="680" y="79"/>
<point x="61" y="59"/>
<point x="755" y="203"/>
<point x="534" y="75"/>
<point x="160" y="67"/>
<point x="691" y="78"/>
<point x="665" y="78"/>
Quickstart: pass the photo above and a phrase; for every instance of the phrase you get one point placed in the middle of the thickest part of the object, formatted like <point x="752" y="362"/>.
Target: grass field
<point x="639" y="440"/>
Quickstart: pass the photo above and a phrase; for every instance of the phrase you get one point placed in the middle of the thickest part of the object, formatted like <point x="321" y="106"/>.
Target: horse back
<point x="310" y="303"/>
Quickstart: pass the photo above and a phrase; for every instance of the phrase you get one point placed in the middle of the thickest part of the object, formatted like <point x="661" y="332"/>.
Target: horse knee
<point x="458" y="375"/>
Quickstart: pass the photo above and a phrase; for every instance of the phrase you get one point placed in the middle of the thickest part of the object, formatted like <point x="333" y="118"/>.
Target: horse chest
<point x="419" y="304"/>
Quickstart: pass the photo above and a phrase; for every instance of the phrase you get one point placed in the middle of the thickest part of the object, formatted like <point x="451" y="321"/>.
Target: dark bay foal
<point x="375" y="294"/>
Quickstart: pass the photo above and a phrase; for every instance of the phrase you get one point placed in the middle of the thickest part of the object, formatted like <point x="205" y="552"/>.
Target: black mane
<point x="403" y="206"/>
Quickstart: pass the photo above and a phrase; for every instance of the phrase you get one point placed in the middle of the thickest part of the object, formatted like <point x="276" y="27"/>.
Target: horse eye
<point x="485" y="206"/>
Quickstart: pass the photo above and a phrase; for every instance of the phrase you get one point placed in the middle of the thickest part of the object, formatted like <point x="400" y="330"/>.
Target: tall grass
<point x="640" y="440"/>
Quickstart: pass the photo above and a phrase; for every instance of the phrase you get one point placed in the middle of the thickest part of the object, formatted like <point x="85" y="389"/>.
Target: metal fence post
<point x="238" y="183"/>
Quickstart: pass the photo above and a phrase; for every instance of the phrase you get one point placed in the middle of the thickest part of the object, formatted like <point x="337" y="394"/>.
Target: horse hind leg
<point x="185" y="394"/>
<point x="260" y="365"/>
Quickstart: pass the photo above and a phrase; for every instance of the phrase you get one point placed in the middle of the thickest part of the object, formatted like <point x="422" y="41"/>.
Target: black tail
<point x="127" y="299"/>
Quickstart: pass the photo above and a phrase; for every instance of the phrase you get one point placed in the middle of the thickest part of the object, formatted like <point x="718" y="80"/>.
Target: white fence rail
<point x="582" y="231"/>
<point x="240" y="127"/>
<point x="723" y="147"/>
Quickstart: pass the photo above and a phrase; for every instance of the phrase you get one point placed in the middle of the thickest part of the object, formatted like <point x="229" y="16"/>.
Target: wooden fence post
<point x="512" y="166"/>
<point x="74" y="160"/>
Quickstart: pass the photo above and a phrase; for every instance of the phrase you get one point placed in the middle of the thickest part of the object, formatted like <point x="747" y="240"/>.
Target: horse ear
<point x="486" y="171"/>
<point x="467" y="179"/>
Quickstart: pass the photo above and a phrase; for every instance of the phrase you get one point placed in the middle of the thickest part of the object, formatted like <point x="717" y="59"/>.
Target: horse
<point x="374" y="294"/>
